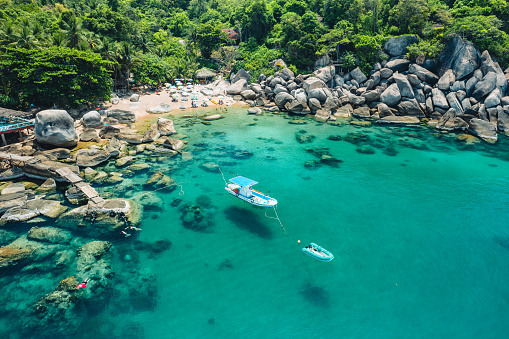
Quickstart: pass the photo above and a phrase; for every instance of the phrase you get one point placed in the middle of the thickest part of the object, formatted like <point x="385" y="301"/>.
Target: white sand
<point x="148" y="100"/>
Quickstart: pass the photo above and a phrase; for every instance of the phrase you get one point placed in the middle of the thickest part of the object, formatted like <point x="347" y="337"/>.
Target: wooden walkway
<point x="77" y="181"/>
<point x="20" y="161"/>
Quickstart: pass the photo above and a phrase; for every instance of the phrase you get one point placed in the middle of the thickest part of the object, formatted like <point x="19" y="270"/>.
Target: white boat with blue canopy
<point x="241" y="188"/>
<point x="318" y="252"/>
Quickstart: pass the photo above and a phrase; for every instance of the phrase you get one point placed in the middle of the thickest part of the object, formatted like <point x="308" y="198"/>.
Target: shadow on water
<point x="315" y="295"/>
<point x="248" y="220"/>
<point x="502" y="241"/>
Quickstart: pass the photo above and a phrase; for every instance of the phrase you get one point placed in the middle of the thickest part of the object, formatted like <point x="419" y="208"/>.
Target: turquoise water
<point x="420" y="238"/>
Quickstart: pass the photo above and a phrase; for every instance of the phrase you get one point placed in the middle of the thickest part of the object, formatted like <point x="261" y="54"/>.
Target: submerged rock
<point x="50" y="234"/>
<point x="10" y="257"/>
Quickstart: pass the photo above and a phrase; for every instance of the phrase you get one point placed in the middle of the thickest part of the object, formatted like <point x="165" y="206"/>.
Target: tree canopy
<point x="157" y="40"/>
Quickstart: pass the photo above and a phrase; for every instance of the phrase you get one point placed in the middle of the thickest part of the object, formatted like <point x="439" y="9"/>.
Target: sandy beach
<point x="149" y="99"/>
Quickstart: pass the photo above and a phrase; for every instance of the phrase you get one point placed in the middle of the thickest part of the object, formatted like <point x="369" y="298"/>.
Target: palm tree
<point x="128" y="58"/>
<point x="75" y="32"/>
<point x="91" y="42"/>
<point x="144" y="43"/>
<point x="109" y="52"/>
<point x="58" y="39"/>
<point x="7" y="32"/>
<point x="25" y="37"/>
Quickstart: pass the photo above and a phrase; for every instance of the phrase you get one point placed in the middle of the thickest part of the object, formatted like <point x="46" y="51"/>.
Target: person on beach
<point x="83" y="284"/>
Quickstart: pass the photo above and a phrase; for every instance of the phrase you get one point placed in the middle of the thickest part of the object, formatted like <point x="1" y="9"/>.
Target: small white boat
<point x="241" y="188"/>
<point x="318" y="252"/>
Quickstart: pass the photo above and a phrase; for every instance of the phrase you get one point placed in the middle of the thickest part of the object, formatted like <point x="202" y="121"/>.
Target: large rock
<point x="454" y="103"/>
<point x="319" y="94"/>
<point x="371" y="96"/>
<point x="241" y="74"/>
<point x="134" y="98"/>
<point x="451" y="122"/>
<point x="314" y="104"/>
<point x="361" y="112"/>
<point x="383" y="110"/>
<point x="405" y="89"/>
<point x="122" y="116"/>
<point x="485" y="86"/>
<point x="358" y="75"/>
<point x="439" y="99"/>
<point x="160" y="109"/>
<point x="300" y="95"/>
<point x="297" y="107"/>
<point x="105" y="222"/>
<point x="248" y="94"/>
<point x="410" y="107"/>
<point x="13" y="188"/>
<point x="237" y="87"/>
<point x="165" y="126"/>
<point x="398" y="120"/>
<point x="503" y="119"/>
<point x="115" y="147"/>
<point x="398" y="65"/>
<point x="55" y="128"/>
<point x="90" y="134"/>
<point x="32" y="209"/>
<point x="91" y="157"/>
<point x="493" y="100"/>
<point x="92" y="119"/>
<point x="8" y="201"/>
<point x="488" y="65"/>
<point x="286" y="74"/>
<point x="446" y="80"/>
<point x="470" y="84"/>
<point x="398" y="46"/>
<point x="483" y="129"/>
<point x="461" y="56"/>
<point x="391" y="96"/>
<point x="322" y="61"/>
<point x="312" y="83"/>
<point x="282" y="98"/>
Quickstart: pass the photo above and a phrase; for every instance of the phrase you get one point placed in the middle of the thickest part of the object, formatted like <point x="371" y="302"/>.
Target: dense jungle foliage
<point x="73" y="51"/>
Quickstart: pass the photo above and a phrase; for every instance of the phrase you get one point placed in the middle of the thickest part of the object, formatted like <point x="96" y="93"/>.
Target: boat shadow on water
<point x="315" y="295"/>
<point x="248" y="220"/>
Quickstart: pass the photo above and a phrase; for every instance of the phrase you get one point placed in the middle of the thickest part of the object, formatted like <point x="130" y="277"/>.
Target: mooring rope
<point x="219" y="168"/>
<point x="277" y="218"/>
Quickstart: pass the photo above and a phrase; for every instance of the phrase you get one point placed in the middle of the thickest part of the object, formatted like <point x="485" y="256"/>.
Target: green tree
<point x="410" y="15"/>
<point x="55" y="75"/>
<point x="258" y="20"/>
<point x="209" y="38"/>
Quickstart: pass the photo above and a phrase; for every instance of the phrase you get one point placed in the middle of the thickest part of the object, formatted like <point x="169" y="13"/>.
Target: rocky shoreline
<point x="460" y="91"/>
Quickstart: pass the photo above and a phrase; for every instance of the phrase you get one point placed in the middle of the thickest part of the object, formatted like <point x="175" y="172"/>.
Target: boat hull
<point x="258" y="199"/>
<point x="321" y="254"/>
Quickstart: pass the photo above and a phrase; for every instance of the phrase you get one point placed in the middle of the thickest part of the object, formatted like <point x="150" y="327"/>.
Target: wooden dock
<point x="8" y="160"/>
<point x="77" y="181"/>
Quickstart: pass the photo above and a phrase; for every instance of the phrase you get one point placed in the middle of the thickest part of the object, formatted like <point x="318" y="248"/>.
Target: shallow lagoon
<point x="417" y="224"/>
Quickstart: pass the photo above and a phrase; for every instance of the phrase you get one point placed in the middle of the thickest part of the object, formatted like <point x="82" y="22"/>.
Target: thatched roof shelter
<point x="205" y="73"/>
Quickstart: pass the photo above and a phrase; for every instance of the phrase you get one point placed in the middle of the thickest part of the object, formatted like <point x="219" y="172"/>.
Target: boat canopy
<point x="243" y="181"/>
